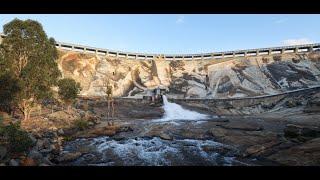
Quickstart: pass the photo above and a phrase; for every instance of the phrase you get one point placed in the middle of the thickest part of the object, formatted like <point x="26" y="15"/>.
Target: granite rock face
<point x="226" y="78"/>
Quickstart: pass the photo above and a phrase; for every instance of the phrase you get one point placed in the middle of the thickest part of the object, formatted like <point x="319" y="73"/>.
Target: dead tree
<point x="110" y="101"/>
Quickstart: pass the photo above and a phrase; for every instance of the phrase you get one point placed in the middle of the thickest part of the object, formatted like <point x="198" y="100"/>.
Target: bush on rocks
<point x="17" y="140"/>
<point x="81" y="124"/>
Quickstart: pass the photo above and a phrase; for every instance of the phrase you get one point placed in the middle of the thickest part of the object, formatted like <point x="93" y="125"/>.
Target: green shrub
<point x="18" y="140"/>
<point x="81" y="124"/>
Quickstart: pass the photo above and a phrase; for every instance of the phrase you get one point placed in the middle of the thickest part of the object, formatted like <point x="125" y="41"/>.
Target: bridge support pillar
<point x="245" y="54"/>
<point x="296" y="50"/>
<point x="257" y="53"/>
<point x="282" y="51"/>
<point x="269" y="52"/>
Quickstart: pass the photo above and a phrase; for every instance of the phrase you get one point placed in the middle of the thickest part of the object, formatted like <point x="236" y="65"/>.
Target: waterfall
<point x="174" y="111"/>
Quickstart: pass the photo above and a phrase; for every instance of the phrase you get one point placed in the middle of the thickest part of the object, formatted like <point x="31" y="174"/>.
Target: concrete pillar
<point x="310" y="49"/>
<point x="72" y="48"/>
<point x="126" y="56"/>
<point x="212" y="56"/>
<point x="245" y="54"/>
<point x="296" y="50"/>
<point x="107" y="53"/>
<point x="136" y="57"/>
<point x="234" y="54"/>
<point x="222" y="55"/>
<point x="282" y="51"/>
<point x="117" y="55"/>
<point x="202" y="58"/>
<point x="84" y="50"/>
<point x="257" y="53"/>
<point x="192" y="58"/>
<point x="269" y="52"/>
<point x="96" y="51"/>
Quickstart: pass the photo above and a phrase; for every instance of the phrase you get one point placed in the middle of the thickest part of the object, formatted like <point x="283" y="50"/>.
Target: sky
<point x="178" y="33"/>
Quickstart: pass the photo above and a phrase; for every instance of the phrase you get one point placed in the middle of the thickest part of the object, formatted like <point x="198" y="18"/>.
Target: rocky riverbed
<point x="289" y="136"/>
<point x="143" y="135"/>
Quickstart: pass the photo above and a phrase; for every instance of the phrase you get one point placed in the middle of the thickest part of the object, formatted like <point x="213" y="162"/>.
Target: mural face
<point x="233" y="77"/>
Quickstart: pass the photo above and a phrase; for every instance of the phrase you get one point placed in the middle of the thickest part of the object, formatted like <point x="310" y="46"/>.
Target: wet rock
<point x="242" y="126"/>
<point x="260" y="148"/>
<point x="293" y="103"/>
<point x="124" y="129"/>
<point x="60" y="132"/>
<point x="218" y="132"/>
<point x="43" y="144"/>
<point x="33" y="139"/>
<point x="3" y="152"/>
<point x="13" y="162"/>
<point x="35" y="155"/>
<point x="302" y="133"/>
<point x="306" y="154"/>
<point x="69" y="156"/>
<point x="47" y="161"/>
<point x="312" y="106"/>
<point x="165" y="136"/>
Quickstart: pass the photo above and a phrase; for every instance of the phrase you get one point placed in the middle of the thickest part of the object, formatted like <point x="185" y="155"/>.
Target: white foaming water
<point x="173" y="111"/>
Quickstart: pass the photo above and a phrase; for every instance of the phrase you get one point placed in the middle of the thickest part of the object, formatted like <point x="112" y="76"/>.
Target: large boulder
<point x="306" y="154"/>
<point x="301" y="133"/>
<point x="3" y="152"/>
<point x="66" y="157"/>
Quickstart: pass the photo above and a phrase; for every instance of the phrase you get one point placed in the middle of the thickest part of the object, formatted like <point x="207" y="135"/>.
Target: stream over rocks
<point x="104" y="151"/>
<point x="152" y="150"/>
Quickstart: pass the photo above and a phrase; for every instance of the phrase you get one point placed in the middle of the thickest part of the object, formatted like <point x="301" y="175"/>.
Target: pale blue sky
<point x="178" y="33"/>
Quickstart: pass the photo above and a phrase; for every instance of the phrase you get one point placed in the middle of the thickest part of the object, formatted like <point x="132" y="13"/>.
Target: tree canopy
<point x="30" y="57"/>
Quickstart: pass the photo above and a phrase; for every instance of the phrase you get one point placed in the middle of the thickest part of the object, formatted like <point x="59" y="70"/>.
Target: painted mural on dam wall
<point x="225" y="78"/>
